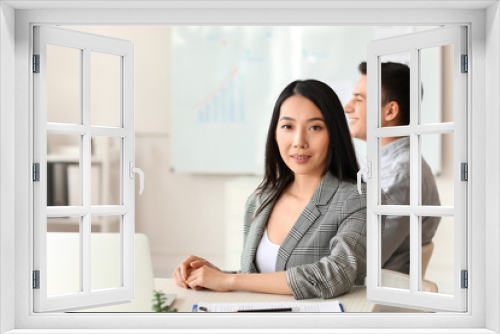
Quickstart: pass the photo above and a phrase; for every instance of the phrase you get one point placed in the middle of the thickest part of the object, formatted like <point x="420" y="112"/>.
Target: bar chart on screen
<point x="226" y="103"/>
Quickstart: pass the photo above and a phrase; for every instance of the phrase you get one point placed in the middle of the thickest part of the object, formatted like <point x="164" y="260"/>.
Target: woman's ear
<point x="390" y="113"/>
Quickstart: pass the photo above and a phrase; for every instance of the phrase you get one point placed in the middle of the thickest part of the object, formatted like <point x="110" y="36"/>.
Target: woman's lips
<point x="300" y="159"/>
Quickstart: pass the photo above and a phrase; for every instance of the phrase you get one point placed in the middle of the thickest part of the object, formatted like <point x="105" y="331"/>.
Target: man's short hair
<point x="395" y="87"/>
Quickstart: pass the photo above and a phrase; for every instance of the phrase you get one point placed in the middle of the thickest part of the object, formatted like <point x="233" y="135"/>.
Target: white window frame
<point x="483" y="97"/>
<point x="85" y="43"/>
<point x="415" y="297"/>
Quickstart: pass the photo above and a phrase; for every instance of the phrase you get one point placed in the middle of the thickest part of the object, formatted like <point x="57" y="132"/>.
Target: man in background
<point x="395" y="162"/>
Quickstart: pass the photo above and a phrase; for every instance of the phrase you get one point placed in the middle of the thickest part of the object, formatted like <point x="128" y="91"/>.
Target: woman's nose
<point x="300" y="140"/>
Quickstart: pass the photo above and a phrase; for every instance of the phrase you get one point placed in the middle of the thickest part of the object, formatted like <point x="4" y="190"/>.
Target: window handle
<point x="368" y="170"/>
<point x="139" y="171"/>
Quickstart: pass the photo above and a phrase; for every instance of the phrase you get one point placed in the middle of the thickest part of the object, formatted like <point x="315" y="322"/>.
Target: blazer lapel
<point x="327" y="187"/>
<point x="253" y="239"/>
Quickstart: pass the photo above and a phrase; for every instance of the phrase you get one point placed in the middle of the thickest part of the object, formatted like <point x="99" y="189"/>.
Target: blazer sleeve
<point x="335" y="274"/>
<point x="250" y="210"/>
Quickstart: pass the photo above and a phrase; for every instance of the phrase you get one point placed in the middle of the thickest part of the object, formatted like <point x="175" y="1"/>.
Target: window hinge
<point x="36" y="279"/>
<point x="465" y="64"/>
<point x="465" y="279"/>
<point x="36" y="63"/>
<point x="36" y="172"/>
<point x="464" y="171"/>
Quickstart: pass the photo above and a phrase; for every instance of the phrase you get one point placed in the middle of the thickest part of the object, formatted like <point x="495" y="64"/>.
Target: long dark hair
<point x="341" y="159"/>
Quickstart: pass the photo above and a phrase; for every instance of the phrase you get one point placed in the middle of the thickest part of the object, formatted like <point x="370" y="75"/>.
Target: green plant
<point x="159" y="301"/>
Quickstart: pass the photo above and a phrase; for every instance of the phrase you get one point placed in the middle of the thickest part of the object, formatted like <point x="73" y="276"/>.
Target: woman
<point x="305" y="226"/>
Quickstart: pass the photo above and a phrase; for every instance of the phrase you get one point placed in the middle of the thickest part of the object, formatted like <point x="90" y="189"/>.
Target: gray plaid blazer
<point x="324" y="254"/>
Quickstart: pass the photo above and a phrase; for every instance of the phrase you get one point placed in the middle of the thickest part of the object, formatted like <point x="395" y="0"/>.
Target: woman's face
<point x="302" y="136"/>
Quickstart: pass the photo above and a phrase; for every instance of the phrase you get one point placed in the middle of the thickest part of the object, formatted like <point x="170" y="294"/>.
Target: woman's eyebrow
<point x="287" y="118"/>
<point x="316" y="119"/>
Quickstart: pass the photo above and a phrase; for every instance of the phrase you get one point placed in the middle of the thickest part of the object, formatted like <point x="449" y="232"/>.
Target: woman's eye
<point x="316" y="127"/>
<point x="286" y="126"/>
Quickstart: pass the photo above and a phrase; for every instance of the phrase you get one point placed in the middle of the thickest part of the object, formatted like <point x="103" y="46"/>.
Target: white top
<point x="267" y="252"/>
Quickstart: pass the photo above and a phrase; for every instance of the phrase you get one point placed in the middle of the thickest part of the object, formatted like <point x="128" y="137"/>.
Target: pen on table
<point x="282" y="309"/>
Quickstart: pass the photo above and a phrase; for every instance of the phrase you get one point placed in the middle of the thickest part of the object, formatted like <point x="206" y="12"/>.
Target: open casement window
<point x="416" y="46"/>
<point x="83" y="169"/>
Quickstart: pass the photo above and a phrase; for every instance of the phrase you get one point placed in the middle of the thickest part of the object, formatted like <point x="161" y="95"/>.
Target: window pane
<point x="395" y="252"/>
<point x="63" y="84"/>
<point x="63" y="255"/>
<point x="437" y="178"/>
<point x="105" y="89"/>
<point x="395" y="92"/>
<point x="63" y="170"/>
<point x="106" y="170"/>
<point x="440" y="260"/>
<point x="395" y="170"/>
<point x="436" y="78"/>
<point x="106" y="254"/>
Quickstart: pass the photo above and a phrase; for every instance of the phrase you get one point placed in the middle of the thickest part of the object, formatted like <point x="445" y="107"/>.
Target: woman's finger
<point x="193" y="283"/>
<point x="181" y="278"/>
<point x="185" y="265"/>
<point x="175" y="275"/>
<point x="193" y="276"/>
<point x="178" y="280"/>
<point x="197" y="264"/>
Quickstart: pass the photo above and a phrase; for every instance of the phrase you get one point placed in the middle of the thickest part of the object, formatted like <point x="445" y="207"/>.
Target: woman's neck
<point x="304" y="186"/>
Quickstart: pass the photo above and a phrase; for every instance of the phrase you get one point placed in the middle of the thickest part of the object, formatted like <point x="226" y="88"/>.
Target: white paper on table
<point x="323" y="306"/>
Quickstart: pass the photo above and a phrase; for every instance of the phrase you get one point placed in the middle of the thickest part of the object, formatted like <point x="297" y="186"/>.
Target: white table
<point x="354" y="301"/>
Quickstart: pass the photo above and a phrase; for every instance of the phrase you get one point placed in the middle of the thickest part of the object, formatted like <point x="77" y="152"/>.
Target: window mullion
<point x="414" y="169"/>
<point x="78" y="129"/>
<point x="402" y="210"/>
<point x="420" y="129"/>
<point x="67" y="129"/>
<point x="110" y="132"/>
<point x="109" y="210"/>
<point x="74" y="211"/>
<point x="85" y="230"/>
<point x="428" y="129"/>
<point x="393" y="131"/>
<point x="66" y="211"/>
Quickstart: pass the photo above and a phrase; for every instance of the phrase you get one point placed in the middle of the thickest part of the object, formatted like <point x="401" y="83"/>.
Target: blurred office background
<point x="200" y="147"/>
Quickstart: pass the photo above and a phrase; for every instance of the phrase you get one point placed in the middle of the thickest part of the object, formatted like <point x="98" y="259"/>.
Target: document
<point x="298" y="306"/>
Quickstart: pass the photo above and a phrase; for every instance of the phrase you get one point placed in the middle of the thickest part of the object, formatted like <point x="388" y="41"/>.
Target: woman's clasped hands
<point x="197" y="273"/>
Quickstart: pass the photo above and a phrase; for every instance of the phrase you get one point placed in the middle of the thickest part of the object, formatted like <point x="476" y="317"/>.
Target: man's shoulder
<point x="395" y="159"/>
<point x="426" y="170"/>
